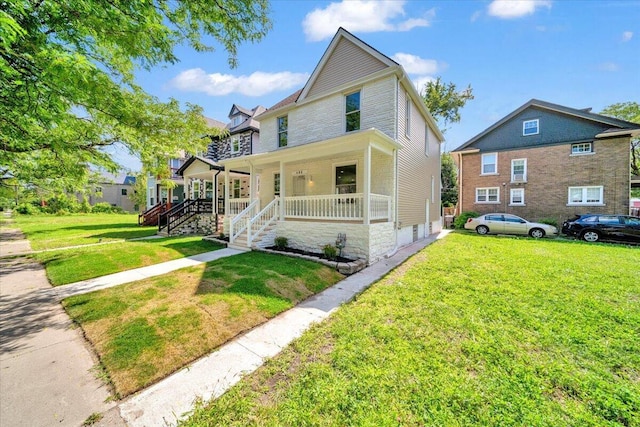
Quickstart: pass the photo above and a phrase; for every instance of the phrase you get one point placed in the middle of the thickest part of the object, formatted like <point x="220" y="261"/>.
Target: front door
<point x="299" y="185"/>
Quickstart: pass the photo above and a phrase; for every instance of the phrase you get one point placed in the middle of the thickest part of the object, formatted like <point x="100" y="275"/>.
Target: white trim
<point x="232" y="145"/>
<point x="584" y="189"/>
<point x="359" y="110"/>
<point x="407" y="115"/>
<point x="343" y="163"/>
<point x="482" y="164"/>
<point x="488" y="202"/>
<point x="582" y="153"/>
<point x="514" y="177"/>
<point x="511" y="192"/>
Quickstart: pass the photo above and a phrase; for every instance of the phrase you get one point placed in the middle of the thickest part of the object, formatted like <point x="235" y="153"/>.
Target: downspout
<point x="460" y="185"/>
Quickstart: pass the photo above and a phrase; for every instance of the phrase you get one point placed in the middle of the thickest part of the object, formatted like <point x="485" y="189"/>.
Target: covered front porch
<point x="310" y="193"/>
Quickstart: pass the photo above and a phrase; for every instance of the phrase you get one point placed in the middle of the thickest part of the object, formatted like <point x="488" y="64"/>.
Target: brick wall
<point x="551" y="170"/>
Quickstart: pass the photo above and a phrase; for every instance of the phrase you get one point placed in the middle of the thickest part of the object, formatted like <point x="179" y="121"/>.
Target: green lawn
<point x="472" y="331"/>
<point x="72" y="265"/>
<point x="145" y="330"/>
<point x="52" y="231"/>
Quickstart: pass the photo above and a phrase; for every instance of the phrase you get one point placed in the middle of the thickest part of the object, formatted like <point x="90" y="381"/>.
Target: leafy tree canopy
<point x="449" y="177"/>
<point x="629" y="111"/>
<point x="444" y="101"/>
<point x="67" y="87"/>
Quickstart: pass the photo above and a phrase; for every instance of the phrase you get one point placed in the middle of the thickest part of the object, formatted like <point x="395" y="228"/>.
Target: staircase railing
<point x="240" y="222"/>
<point x="181" y="213"/>
<point x="266" y="216"/>
<point x="150" y="216"/>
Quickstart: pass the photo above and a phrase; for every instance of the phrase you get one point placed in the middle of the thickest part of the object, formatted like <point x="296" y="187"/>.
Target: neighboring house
<point x="547" y="161"/>
<point x="113" y="189"/>
<point x="353" y="153"/>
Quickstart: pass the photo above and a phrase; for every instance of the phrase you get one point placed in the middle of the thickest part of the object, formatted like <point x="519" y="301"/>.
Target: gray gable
<point x="557" y="125"/>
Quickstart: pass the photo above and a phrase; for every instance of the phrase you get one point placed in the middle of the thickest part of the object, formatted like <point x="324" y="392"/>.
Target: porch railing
<point x="181" y="213"/>
<point x="240" y="222"/>
<point x="262" y="220"/>
<point x="338" y="207"/>
<point x="238" y="205"/>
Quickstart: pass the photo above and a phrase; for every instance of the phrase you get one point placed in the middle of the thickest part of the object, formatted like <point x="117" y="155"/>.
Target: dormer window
<point x="530" y="127"/>
<point x="235" y="121"/>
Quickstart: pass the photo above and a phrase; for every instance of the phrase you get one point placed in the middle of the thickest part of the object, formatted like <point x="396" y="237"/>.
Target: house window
<point x="236" y="188"/>
<point x="582" y="148"/>
<point x="98" y="189"/>
<point x="195" y="190"/>
<point x="519" y="170"/>
<point x="352" y="111"/>
<point x="208" y="190"/>
<point x="123" y="191"/>
<point x="235" y="144"/>
<point x="517" y="196"/>
<point x="236" y="121"/>
<point x="489" y="164"/>
<point x="346" y="179"/>
<point x="276" y="184"/>
<point x="487" y="195"/>
<point x="152" y="196"/>
<point x="283" y="128"/>
<point x="530" y="127"/>
<point x="586" y="195"/>
<point x="407" y="118"/>
<point x="427" y="151"/>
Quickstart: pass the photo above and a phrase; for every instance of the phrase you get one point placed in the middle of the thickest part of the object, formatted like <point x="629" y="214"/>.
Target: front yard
<point x="145" y="330"/>
<point x="471" y="331"/>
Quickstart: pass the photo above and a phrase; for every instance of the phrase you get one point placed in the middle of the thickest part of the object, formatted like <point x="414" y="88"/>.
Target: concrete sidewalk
<point x="169" y="400"/>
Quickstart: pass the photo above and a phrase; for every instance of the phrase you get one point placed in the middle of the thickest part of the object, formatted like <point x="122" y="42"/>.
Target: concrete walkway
<point x="45" y="364"/>
<point x="168" y="401"/>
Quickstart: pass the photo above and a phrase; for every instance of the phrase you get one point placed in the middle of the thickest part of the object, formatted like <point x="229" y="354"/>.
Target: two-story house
<point x="547" y="161"/>
<point x="353" y="153"/>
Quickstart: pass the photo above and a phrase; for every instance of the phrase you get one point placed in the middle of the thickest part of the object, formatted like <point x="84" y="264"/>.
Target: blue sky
<point x="577" y="53"/>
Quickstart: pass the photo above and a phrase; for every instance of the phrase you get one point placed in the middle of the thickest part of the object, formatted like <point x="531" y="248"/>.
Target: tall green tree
<point x="449" y="176"/>
<point x="67" y="86"/>
<point x="629" y="111"/>
<point x="444" y="101"/>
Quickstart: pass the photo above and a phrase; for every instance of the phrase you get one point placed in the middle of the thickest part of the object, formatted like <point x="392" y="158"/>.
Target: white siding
<point x="347" y="63"/>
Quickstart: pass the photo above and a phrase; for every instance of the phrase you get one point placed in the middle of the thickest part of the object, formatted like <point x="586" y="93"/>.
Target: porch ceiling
<point x="355" y="141"/>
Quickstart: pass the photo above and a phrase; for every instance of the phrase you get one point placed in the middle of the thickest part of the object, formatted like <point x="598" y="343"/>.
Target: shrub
<point x="549" y="221"/>
<point x="330" y="251"/>
<point x="85" y="207"/>
<point x="63" y="203"/>
<point x="459" y="222"/>
<point x="104" y="207"/>
<point x="221" y="236"/>
<point x="27" y="209"/>
<point x="281" y="242"/>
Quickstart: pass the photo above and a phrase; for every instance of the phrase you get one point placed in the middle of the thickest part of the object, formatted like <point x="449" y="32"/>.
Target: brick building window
<point x="582" y="148"/>
<point x="591" y="195"/>
<point x="518" y="170"/>
<point x="488" y="195"/>
<point x="530" y="127"/>
<point x="489" y="164"/>
<point x="517" y="197"/>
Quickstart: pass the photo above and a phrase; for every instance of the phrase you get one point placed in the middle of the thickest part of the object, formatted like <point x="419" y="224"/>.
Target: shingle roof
<point x="214" y="123"/>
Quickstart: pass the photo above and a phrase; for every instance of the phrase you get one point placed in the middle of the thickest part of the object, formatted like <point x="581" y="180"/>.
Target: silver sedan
<point x="502" y="223"/>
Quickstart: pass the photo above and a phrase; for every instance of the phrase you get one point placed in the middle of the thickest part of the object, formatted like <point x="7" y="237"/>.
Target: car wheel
<point x="536" y="233"/>
<point x="482" y="229"/>
<point x="591" y="236"/>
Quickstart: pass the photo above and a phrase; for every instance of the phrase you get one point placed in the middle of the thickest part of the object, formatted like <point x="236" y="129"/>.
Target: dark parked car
<point x="595" y="227"/>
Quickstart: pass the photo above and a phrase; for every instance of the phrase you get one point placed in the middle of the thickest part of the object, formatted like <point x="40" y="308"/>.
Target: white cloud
<point x="508" y="9"/>
<point x="364" y="16"/>
<point x="415" y="65"/>
<point x="627" y="35"/>
<point x="419" y="82"/>
<point x="609" y="66"/>
<point x="256" y="84"/>
<point x="476" y="15"/>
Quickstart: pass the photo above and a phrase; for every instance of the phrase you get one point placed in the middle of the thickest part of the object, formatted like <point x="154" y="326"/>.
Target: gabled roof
<point x="189" y="162"/>
<point x="214" y="123"/>
<point x="235" y="109"/>
<point x="616" y="124"/>
<point x="343" y="34"/>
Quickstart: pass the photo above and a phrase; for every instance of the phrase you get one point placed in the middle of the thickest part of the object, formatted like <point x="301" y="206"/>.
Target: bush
<point x="459" y="222"/>
<point x="59" y="203"/>
<point x="330" y="251"/>
<point x="27" y="209"/>
<point x="85" y="207"/>
<point x="104" y="207"/>
<point x="549" y="221"/>
<point x="281" y="242"/>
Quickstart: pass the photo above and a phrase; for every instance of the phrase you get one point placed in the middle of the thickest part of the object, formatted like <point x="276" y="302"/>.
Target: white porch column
<point x="367" y="184"/>
<point x="282" y="191"/>
<point x="226" y="191"/>
<point x="252" y="184"/>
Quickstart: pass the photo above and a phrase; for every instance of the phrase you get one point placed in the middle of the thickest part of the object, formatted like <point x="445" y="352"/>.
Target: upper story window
<point x="582" y="148"/>
<point x="518" y="170"/>
<point x="352" y="111"/>
<point x="236" y="120"/>
<point x="530" y="127"/>
<point x="283" y="130"/>
<point x="123" y="191"/>
<point x="489" y="164"/>
<point x="427" y="150"/>
<point x="407" y="118"/>
<point x="235" y="144"/>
